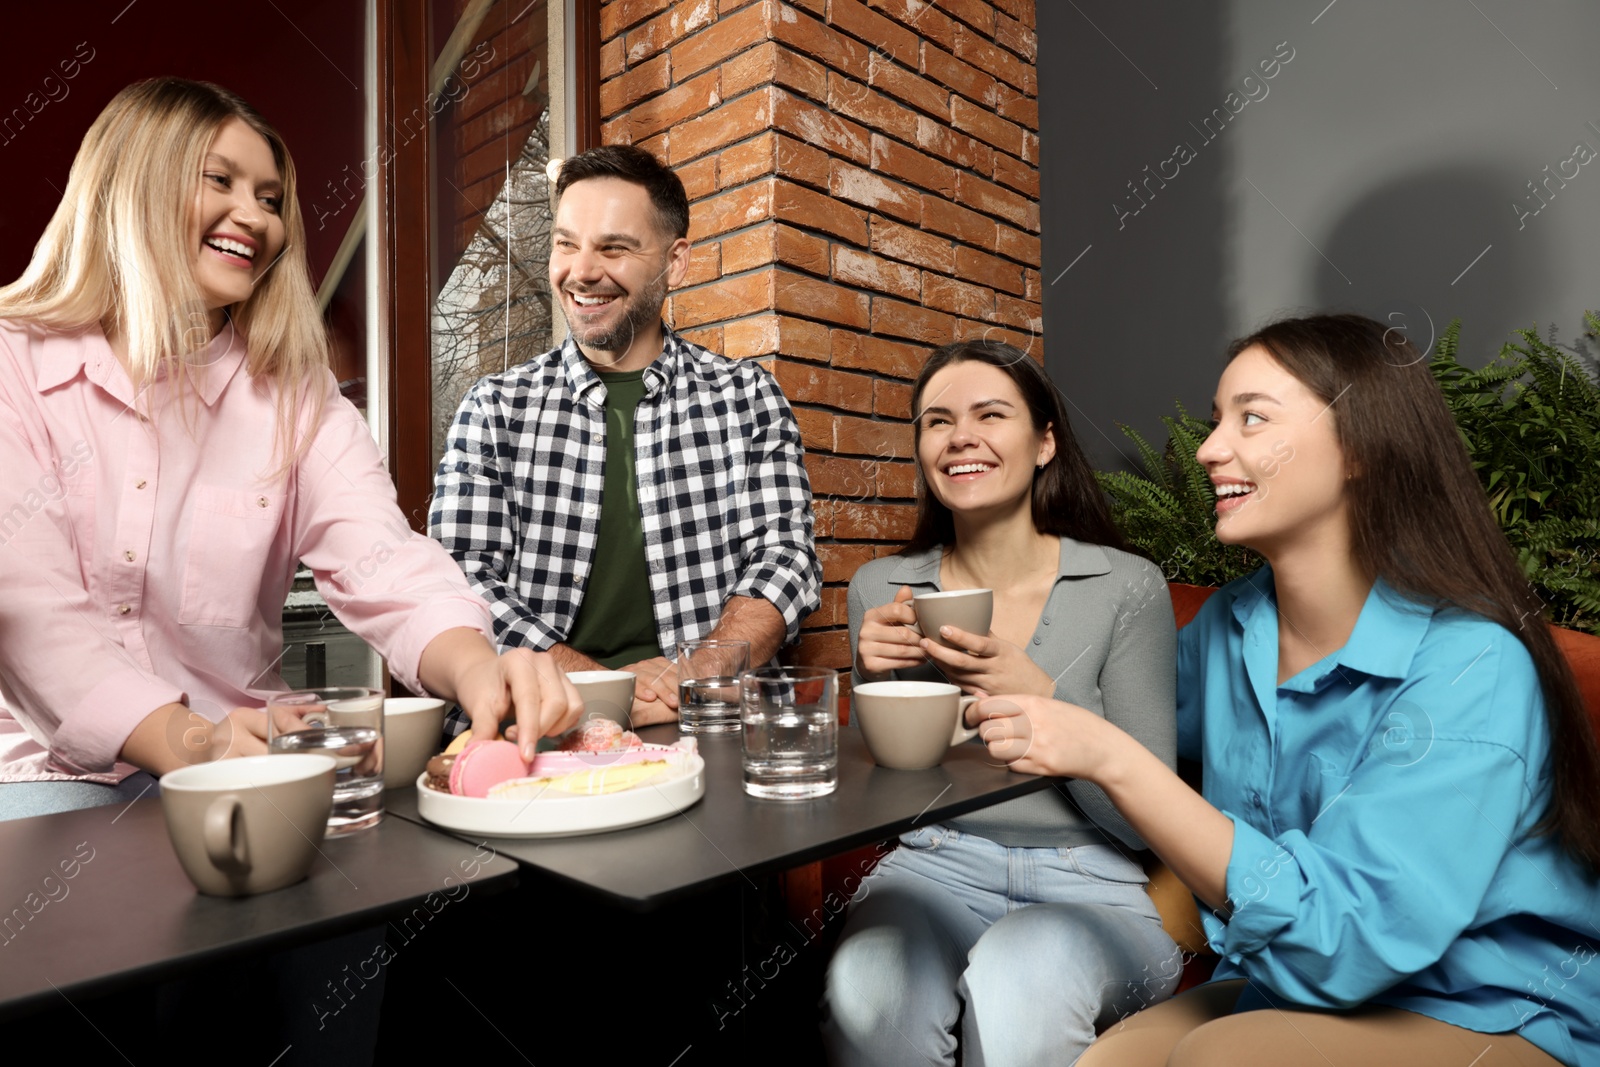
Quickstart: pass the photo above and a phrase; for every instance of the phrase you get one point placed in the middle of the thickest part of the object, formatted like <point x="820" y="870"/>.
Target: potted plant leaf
<point x="1531" y="423"/>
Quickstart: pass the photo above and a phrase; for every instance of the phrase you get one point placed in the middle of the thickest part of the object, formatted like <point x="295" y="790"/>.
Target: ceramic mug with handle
<point x="909" y="726"/>
<point x="250" y="825"/>
<point x="971" y="610"/>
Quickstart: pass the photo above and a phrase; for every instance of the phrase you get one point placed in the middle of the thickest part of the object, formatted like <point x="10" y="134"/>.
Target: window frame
<point x="402" y="294"/>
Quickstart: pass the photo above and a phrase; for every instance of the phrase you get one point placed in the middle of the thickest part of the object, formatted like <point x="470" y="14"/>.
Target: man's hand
<point x="655" y="694"/>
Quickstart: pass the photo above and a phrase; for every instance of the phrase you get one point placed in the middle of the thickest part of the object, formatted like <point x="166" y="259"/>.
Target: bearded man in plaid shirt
<point x="628" y="490"/>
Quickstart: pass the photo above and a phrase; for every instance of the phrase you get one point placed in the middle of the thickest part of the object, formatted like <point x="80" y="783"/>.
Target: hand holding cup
<point x="889" y="640"/>
<point x="986" y="664"/>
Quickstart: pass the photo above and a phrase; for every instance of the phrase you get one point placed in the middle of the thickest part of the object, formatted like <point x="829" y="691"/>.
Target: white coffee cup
<point x="971" y="610"/>
<point x="249" y="825"/>
<point x="909" y="726"/>
<point x="607" y="694"/>
<point x="413" y="731"/>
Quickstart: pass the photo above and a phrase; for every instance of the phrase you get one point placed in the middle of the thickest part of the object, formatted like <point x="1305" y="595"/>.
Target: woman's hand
<point x="521" y="683"/>
<point x="530" y="686"/>
<point x="1036" y="735"/>
<point x="175" y="735"/>
<point x="989" y="664"/>
<point x="1050" y="737"/>
<point x="887" y="642"/>
<point x="243" y="732"/>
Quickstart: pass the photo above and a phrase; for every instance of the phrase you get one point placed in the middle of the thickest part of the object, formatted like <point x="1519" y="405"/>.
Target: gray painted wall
<point x="1383" y="167"/>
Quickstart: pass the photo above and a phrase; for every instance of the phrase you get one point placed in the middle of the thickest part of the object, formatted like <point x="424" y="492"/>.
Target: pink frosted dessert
<point x="483" y="764"/>
<point x="600" y="735"/>
<point x="596" y="745"/>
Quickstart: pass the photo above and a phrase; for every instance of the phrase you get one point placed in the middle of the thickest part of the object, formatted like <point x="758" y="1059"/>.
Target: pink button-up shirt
<point x="146" y="549"/>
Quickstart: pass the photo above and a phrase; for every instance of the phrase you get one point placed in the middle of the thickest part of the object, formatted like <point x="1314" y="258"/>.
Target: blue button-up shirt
<point x="1384" y="802"/>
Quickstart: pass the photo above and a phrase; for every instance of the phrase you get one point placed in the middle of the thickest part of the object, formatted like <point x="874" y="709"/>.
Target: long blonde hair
<point x="118" y="252"/>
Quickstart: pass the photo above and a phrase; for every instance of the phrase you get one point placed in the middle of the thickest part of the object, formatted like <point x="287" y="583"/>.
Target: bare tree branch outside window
<point x="494" y="309"/>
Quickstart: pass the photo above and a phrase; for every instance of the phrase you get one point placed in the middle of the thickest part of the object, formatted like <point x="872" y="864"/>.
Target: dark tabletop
<point x="729" y="834"/>
<point x="128" y="913"/>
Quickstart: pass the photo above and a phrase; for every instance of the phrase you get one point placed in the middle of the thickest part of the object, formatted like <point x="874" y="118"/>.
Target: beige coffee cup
<point x="250" y="825"/>
<point x="608" y="694"/>
<point x="909" y="726"/>
<point x="969" y="609"/>
<point x="413" y="731"/>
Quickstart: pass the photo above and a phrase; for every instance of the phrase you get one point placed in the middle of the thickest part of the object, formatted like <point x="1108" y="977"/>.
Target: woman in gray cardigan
<point x="1023" y="927"/>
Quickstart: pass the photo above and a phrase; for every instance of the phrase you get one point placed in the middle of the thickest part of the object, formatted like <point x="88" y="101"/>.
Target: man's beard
<point x="640" y="312"/>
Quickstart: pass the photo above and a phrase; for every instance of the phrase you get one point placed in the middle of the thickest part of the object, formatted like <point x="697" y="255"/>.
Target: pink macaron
<point x="483" y="764"/>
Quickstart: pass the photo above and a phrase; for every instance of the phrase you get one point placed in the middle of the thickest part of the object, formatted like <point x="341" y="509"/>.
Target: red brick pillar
<point x="864" y="185"/>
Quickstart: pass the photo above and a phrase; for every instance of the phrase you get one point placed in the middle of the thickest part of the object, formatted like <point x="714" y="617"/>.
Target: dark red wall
<point x="300" y="62"/>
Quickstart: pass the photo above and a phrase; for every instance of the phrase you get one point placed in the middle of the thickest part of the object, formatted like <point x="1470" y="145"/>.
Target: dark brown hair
<point x="638" y="166"/>
<point x="1067" y="501"/>
<point x="1412" y="490"/>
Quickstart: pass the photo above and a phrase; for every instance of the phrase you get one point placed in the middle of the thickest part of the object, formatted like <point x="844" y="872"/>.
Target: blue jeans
<point x="1028" y="950"/>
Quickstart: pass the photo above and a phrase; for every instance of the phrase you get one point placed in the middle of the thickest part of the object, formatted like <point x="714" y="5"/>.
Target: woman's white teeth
<point x="967" y="468"/>
<point x="233" y="248"/>
<point x="1234" y="489"/>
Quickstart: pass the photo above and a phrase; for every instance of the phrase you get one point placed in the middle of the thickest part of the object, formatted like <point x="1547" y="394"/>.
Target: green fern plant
<point x="1168" y="513"/>
<point x="1531" y="423"/>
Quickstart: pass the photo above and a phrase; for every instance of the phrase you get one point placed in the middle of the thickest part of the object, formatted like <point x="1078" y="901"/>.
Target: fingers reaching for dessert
<point x="523" y="685"/>
<point x="546" y="702"/>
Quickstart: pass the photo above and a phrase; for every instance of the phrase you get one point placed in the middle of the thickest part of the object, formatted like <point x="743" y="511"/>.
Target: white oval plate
<point x="560" y="814"/>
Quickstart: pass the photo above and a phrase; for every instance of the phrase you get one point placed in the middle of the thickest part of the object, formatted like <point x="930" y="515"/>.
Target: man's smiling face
<point x="611" y="264"/>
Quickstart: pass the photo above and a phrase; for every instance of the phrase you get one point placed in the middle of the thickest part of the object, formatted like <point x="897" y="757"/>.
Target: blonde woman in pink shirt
<point x="172" y="443"/>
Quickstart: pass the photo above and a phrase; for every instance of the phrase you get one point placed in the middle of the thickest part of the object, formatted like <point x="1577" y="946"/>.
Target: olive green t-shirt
<point x="616" y="622"/>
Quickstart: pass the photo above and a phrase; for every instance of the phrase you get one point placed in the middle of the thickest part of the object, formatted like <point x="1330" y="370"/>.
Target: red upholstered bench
<point x="1583" y="655"/>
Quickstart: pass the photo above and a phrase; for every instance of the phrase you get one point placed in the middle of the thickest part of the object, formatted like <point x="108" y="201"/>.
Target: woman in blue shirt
<point x="1400" y="826"/>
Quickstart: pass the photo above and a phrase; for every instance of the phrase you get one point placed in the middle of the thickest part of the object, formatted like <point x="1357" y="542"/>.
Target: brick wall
<point x="864" y="185"/>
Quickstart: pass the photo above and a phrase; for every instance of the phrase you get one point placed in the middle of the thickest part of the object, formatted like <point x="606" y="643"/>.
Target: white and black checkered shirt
<point x="723" y="496"/>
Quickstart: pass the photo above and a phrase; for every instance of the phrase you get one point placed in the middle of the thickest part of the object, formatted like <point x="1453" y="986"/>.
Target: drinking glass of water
<point x="790" y="717"/>
<point x="708" y="685"/>
<point x="346" y="723"/>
